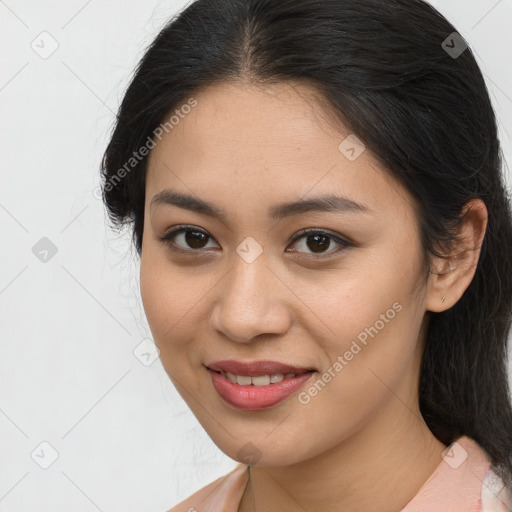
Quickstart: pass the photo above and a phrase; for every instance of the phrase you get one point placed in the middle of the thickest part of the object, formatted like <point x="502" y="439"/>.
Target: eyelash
<point x="168" y="239"/>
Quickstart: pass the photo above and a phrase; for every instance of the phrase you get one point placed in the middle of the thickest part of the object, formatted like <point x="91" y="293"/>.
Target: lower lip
<point x="252" y="398"/>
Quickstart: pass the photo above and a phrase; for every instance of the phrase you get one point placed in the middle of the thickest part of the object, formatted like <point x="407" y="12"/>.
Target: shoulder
<point x="218" y="495"/>
<point x="464" y="480"/>
<point x="495" y="497"/>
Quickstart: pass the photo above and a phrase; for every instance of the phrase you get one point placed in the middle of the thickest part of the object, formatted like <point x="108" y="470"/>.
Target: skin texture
<point x="360" y="443"/>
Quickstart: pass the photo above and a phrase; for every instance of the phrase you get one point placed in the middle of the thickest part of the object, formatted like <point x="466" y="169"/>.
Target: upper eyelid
<point x="324" y="231"/>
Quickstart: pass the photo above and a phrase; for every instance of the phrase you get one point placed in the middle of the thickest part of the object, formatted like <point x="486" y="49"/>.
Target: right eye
<point x="193" y="236"/>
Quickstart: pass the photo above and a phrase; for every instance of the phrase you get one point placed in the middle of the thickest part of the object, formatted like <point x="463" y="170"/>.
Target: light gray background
<point x="125" y="439"/>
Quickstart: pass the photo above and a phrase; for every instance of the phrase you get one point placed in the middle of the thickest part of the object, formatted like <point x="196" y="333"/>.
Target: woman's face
<point x="348" y="303"/>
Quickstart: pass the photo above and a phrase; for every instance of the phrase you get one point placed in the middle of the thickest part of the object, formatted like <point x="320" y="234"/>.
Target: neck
<point x="375" y="468"/>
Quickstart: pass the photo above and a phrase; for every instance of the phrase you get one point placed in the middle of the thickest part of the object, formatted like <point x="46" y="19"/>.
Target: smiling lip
<point x="255" y="368"/>
<point x="251" y="397"/>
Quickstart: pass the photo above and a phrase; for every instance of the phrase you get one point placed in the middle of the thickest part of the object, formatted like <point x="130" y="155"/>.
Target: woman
<point x="318" y="203"/>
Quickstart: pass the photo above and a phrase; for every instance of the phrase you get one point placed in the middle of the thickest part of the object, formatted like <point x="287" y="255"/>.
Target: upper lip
<point x="255" y="368"/>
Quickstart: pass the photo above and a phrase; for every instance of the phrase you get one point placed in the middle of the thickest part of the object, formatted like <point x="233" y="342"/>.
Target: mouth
<point x="251" y="369"/>
<point x="257" y="385"/>
<point x="258" y="380"/>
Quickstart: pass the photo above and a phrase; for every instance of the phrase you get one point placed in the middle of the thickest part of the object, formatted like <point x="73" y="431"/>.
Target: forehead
<point x="270" y="141"/>
<point x="241" y="118"/>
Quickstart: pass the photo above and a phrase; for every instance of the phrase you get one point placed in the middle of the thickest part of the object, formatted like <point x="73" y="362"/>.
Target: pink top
<point x="463" y="482"/>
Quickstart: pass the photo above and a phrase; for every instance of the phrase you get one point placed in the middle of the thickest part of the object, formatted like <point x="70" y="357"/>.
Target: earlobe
<point x="450" y="277"/>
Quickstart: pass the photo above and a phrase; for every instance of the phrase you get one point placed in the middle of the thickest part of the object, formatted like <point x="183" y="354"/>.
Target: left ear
<point x="449" y="278"/>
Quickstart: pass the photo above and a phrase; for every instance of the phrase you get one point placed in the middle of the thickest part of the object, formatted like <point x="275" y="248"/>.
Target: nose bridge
<point x="250" y="300"/>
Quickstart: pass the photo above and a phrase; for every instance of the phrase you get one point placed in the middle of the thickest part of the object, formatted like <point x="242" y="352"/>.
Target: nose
<point x="251" y="302"/>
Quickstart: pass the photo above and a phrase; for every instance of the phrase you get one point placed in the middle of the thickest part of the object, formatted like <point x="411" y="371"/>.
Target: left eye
<point x="317" y="240"/>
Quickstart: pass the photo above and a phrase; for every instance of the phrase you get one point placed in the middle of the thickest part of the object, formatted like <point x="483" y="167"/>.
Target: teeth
<point x="260" y="380"/>
<point x="243" y="380"/>
<point x="276" y="377"/>
<point x="230" y="376"/>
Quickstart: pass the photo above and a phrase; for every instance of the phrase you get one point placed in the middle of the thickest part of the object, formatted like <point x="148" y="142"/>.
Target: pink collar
<point x="455" y="485"/>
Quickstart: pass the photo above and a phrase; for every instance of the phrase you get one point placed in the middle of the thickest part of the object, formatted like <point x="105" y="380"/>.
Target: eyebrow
<point x="327" y="203"/>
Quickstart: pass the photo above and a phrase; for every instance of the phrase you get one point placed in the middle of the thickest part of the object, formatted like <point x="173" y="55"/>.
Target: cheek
<point x="165" y="310"/>
<point x="162" y="296"/>
<point x="151" y="289"/>
<point x="364" y="363"/>
<point x="376" y="318"/>
<point x="362" y="304"/>
<point x="174" y="300"/>
<point x="375" y="349"/>
<point x="382" y="337"/>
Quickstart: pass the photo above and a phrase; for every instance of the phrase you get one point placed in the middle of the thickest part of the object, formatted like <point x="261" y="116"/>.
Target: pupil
<point x="317" y="237"/>
<point x="193" y="240"/>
